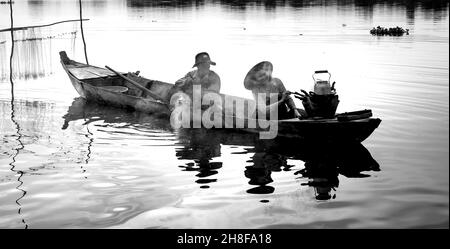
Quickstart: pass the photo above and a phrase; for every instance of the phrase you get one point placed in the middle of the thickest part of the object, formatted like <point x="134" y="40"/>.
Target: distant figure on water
<point x="202" y="76"/>
<point x="260" y="81"/>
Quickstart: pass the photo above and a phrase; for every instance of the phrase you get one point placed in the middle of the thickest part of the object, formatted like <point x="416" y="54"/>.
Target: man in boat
<point x="202" y="76"/>
<point x="270" y="94"/>
<point x="194" y="86"/>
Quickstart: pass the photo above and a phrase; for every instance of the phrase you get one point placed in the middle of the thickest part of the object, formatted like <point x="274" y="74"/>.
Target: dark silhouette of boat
<point x="324" y="161"/>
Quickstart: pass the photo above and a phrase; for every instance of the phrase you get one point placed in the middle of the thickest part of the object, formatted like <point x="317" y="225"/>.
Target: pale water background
<point x="108" y="168"/>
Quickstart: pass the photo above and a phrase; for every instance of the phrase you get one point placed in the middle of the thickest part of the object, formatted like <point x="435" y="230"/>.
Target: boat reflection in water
<point x="323" y="169"/>
<point x="323" y="162"/>
<point x="91" y="112"/>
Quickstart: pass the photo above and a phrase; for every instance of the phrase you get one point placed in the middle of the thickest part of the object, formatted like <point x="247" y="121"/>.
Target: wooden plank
<point x="83" y="73"/>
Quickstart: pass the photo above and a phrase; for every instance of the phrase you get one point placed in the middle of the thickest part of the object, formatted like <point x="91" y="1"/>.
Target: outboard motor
<point x="323" y="101"/>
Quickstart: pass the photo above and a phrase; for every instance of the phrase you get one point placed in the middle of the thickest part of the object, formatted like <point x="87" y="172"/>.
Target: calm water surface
<point x="66" y="163"/>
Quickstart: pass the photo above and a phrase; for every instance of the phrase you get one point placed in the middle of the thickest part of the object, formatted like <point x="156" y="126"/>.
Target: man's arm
<point x="288" y="100"/>
<point x="183" y="83"/>
<point x="215" y="83"/>
<point x="260" y="99"/>
<point x="180" y="85"/>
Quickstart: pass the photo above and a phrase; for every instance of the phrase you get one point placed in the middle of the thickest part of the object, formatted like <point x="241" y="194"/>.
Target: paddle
<point x="150" y="93"/>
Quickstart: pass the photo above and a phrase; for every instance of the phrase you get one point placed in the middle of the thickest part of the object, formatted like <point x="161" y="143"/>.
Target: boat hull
<point x="114" y="98"/>
<point x="119" y="100"/>
<point x="324" y="131"/>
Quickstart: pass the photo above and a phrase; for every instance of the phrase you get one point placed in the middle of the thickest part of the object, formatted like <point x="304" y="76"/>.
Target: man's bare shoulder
<point x="214" y="74"/>
<point x="278" y="83"/>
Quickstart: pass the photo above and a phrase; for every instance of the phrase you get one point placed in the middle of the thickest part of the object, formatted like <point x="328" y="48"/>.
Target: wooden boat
<point x="104" y="86"/>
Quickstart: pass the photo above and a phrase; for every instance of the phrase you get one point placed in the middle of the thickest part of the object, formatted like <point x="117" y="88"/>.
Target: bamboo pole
<point x="12" y="53"/>
<point x="40" y="26"/>
<point x="82" y="32"/>
<point x="139" y="86"/>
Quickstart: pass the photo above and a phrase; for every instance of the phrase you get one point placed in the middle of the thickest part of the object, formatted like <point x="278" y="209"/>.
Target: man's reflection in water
<point x="260" y="172"/>
<point x="323" y="178"/>
<point x="201" y="147"/>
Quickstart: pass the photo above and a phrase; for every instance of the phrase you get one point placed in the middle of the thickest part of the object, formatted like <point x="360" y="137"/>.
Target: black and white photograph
<point x="246" y="117"/>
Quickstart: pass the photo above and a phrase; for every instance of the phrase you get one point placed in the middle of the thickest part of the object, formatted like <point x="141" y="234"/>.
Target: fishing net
<point x="35" y="50"/>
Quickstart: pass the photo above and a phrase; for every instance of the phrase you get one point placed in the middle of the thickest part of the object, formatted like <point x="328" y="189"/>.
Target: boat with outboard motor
<point x="131" y="91"/>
